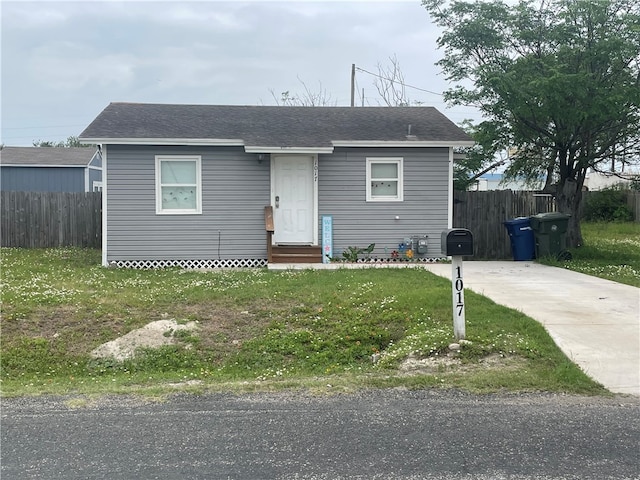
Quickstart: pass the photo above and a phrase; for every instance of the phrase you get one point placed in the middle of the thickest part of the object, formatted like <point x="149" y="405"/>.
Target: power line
<point x="398" y="82"/>
<point x="47" y="126"/>
<point x="408" y="86"/>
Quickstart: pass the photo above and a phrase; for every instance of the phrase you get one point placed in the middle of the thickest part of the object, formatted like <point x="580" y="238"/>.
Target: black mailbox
<point x="457" y="242"/>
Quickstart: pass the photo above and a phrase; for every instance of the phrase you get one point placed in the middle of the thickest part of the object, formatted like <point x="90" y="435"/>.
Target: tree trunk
<point x="568" y="200"/>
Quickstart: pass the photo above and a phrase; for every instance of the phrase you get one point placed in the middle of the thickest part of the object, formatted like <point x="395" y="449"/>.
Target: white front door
<point x="293" y="196"/>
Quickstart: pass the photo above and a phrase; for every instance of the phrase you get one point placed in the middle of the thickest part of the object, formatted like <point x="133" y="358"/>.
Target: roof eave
<point x="401" y="144"/>
<point x="265" y="149"/>
<point x="233" y="142"/>
<point x="236" y="142"/>
<point x="47" y="165"/>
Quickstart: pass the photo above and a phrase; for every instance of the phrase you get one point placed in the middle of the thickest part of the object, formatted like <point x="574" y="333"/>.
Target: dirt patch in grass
<point x="76" y="335"/>
<point x="221" y="329"/>
<point x="60" y="326"/>
<point x="413" y="365"/>
<point x="45" y="322"/>
<point x="226" y="328"/>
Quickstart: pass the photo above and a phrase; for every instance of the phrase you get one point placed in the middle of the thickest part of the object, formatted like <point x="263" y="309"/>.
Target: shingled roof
<point x="46" y="156"/>
<point x="257" y="127"/>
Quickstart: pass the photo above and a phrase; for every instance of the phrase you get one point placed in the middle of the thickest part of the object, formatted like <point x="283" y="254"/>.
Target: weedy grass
<point x="611" y="251"/>
<point x="260" y="330"/>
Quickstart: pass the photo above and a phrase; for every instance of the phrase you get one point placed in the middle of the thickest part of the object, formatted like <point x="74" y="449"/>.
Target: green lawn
<point x="260" y="329"/>
<point x="610" y="250"/>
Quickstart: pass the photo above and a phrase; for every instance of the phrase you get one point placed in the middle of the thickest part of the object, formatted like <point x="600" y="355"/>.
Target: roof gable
<point x="271" y="126"/>
<point x="47" y="156"/>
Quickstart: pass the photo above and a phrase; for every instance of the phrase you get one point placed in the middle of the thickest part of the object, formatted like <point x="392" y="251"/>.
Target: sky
<point x="62" y="63"/>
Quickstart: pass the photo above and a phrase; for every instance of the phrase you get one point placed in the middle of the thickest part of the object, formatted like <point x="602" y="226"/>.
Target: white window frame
<point x="97" y="186"/>
<point x="197" y="159"/>
<point x="386" y="198"/>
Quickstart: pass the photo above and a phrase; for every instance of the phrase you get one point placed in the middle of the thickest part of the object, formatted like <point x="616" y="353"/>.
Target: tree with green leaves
<point x="470" y="163"/>
<point x="558" y="81"/>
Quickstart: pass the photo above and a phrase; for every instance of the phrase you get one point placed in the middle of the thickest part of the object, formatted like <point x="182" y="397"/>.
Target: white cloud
<point x="28" y="15"/>
<point x="186" y="67"/>
<point x="190" y="15"/>
<point x="69" y="66"/>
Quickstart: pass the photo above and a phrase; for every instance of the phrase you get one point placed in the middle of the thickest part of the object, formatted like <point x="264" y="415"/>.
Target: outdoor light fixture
<point x="260" y="157"/>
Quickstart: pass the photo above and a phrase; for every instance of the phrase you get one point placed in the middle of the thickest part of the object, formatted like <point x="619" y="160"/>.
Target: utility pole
<point x="353" y="84"/>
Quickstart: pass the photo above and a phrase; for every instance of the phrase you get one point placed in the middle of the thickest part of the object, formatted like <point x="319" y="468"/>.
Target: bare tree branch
<point x="390" y="84"/>
<point x="309" y="98"/>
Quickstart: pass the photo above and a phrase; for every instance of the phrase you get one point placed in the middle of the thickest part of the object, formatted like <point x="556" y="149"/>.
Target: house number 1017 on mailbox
<point x="458" y="299"/>
<point x="457" y="242"/>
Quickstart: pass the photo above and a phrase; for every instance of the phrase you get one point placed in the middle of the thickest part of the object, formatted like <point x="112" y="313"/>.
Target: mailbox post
<point x="457" y="242"/>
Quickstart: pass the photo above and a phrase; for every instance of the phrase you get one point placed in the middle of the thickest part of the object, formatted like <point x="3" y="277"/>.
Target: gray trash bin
<point x="550" y="232"/>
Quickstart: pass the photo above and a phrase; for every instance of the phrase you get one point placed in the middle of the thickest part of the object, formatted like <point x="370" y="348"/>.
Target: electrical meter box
<point x="457" y="242"/>
<point x="422" y="245"/>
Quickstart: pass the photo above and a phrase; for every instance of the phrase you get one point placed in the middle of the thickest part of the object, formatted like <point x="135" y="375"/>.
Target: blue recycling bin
<point x="523" y="244"/>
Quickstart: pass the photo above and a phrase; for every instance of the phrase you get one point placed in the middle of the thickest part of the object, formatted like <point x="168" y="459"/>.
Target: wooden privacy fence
<point x="484" y="213"/>
<point x="51" y="219"/>
<point x="633" y="201"/>
<point x="45" y="219"/>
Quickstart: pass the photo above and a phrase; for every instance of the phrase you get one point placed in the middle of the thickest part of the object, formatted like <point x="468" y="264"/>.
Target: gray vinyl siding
<point x="235" y="190"/>
<point x="94" y="176"/>
<point x="356" y="222"/>
<point x="96" y="161"/>
<point x="42" y="179"/>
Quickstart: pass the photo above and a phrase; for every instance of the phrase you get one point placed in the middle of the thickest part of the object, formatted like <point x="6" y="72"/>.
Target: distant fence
<point x="51" y="219"/>
<point x="633" y="202"/>
<point x="484" y="213"/>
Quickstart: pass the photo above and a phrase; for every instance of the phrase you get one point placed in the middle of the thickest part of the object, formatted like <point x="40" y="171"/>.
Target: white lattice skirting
<point x="242" y="263"/>
<point x="191" y="264"/>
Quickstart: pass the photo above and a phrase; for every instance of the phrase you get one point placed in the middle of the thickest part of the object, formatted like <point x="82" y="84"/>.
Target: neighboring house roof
<point x="493" y="176"/>
<point x="496" y="181"/>
<point x="46" y="156"/>
<point x="273" y="127"/>
<point x="601" y="180"/>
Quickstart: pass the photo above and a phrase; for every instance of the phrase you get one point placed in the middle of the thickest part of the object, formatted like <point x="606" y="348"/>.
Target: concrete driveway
<point x="595" y="322"/>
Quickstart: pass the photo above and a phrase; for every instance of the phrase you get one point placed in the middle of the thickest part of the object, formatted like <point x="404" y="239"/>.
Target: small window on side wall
<point x="178" y="185"/>
<point x="384" y="180"/>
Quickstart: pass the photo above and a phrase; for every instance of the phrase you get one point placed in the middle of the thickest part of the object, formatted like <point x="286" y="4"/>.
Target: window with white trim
<point x="384" y="180"/>
<point x="178" y="184"/>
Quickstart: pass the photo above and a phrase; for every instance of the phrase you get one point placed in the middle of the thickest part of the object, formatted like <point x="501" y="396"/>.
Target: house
<point x="229" y="186"/>
<point x="497" y="181"/>
<point x="595" y="181"/>
<point x="50" y="169"/>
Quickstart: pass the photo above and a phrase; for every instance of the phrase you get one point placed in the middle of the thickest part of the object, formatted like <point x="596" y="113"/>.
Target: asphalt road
<point x="392" y="434"/>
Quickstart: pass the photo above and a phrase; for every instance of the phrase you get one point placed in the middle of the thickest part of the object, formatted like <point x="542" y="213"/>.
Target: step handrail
<point x="268" y="218"/>
<point x="269" y="227"/>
